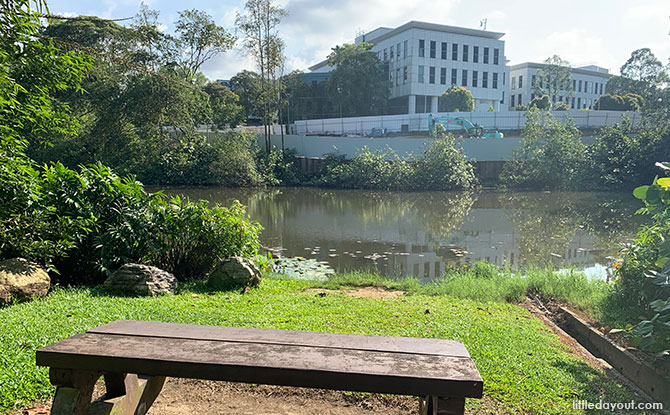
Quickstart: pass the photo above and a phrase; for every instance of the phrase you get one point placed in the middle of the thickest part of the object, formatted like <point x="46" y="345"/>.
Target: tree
<point x="614" y="102"/>
<point x="199" y="39"/>
<point x="247" y="85"/>
<point x="541" y="103"/>
<point x="554" y="78"/>
<point x="643" y="66"/>
<point x="226" y="111"/>
<point x="262" y="42"/>
<point x="456" y="99"/>
<point x="359" y="84"/>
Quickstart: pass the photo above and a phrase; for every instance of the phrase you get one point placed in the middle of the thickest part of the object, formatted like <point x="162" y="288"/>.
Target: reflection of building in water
<point x="406" y="245"/>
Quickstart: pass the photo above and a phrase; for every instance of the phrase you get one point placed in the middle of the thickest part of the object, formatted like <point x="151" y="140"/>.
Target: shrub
<point x="456" y="99"/>
<point x="551" y="155"/>
<point x="443" y="167"/>
<point x="86" y="224"/>
<point x="644" y="277"/>
<point x="561" y="106"/>
<point x="540" y="103"/>
<point x="614" y="102"/>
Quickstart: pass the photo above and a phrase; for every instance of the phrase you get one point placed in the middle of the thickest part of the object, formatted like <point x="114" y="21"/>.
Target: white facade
<point x="425" y="59"/>
<point x="589" y="82"/>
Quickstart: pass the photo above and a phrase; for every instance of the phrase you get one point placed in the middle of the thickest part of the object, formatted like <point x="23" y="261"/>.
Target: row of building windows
<point x="574" y="102"/>
<point x="394" y="52"/>
<point x="589" y="87"/>
<point x="432" y="77"/>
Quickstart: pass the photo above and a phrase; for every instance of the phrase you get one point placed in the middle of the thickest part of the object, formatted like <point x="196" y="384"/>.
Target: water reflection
<point x="420" y="234"/>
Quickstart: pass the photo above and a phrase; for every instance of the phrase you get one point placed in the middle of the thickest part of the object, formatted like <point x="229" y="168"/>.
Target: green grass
<point x="487" y="282"/>
<point x="524" y="366"/>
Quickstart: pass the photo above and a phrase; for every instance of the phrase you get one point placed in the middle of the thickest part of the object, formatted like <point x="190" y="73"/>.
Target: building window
<point x="431" y="75"/>
<point x="464" y="78"/>
<point x="494" y="81"/>
<point x="405" y="49"/>
<point x="514" y="82"/>
<point x="485" y="79"/>
<point x="486" y="55"/>
<point x="496" y="56"/>
<point x="519" y="100"/>
<point x="532" y="81"/>
<point x="422" y="48"/>
<point x="475" y="54"/>
<point x="572" y="104"/>
<point x="601" y="88"/>
<point x="421" y="80"/>
<point x="443" y="76"/>
<point x="574" y="84"/>
<point x="443" y="54"/>
<point x="504" y="75"/>
<point x="579" y="103"/>
<point x="474" y="78"/>
<point x="454" y="51"/>
<point x="397" y="52"/>
<point x="385" y="55"/>
<point x="502" y="101"/>
<point x="579" y="88"/>
<point x="433" y="47"/>
<point x="454" y="77"/>
<point x="465" y="53"/>
<point x="397" y="76"/>
<point x="404" y="75"/>
<point x="512" y="101"/>
<point x="391" y="53"/>
<point x="520" y="81"/>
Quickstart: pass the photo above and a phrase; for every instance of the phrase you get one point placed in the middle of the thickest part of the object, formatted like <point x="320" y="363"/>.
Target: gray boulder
<point x="22" y="280"/>
<point x="142" y="280"/>
<point x="235" y="272"/>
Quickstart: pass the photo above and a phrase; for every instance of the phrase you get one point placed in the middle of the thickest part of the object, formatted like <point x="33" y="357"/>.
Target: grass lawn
<point x="526" y="369"/>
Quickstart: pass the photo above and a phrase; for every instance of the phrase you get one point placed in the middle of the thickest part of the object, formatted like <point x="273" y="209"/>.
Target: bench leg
<point x="434" y="405"/>
<point x="74" y="389"/>
<point x="127" y="394"/>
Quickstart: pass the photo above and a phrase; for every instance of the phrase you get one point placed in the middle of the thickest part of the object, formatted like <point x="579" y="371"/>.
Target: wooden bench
<point x="135" y="357"/>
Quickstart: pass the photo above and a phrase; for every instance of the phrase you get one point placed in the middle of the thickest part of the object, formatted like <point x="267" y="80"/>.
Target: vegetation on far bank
<point x="523" y="364"/>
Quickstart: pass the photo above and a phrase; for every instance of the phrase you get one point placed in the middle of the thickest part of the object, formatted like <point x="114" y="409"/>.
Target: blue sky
<point x="602" y="32"/>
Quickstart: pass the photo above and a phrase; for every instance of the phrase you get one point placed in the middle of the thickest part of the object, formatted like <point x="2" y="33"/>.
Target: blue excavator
<point x="471" y="130"/>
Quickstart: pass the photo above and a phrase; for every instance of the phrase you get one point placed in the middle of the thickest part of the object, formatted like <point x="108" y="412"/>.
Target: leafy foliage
<point x="627" y="102"/>
<point x="358" y="85"/>
<point x="541" y="103"/>
<point x="554" y="78"/>
<point x="456" y="99"/>
<point x="644" y="277"/>
<point x="442" y="167"/>
<point x="551" y="155"/>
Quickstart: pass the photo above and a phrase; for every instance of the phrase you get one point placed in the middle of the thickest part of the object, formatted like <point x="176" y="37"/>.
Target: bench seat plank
<point x="269" y="363"/>
<point x="288" y="337"/>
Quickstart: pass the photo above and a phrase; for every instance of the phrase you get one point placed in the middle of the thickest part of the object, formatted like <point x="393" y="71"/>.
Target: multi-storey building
<point x="588" y="83"/>
<point x="426" y="59"/>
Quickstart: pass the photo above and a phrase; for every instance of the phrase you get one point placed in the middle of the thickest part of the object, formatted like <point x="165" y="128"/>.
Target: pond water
<point x="422" y="233"/>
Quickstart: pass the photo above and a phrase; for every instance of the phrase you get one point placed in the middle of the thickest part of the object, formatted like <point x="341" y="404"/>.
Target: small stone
<point x="143" y="280"/>
<point x="235" y="271"/>
<point x="22" y="280"/>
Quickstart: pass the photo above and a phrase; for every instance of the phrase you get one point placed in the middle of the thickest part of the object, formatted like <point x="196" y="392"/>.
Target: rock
<point x="22" y="280"/>
<point x="138" y="279"/>
<point x="235" y="272"/>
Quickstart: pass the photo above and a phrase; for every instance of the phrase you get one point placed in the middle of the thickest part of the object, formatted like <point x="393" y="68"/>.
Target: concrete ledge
<point x="652" y="381"/>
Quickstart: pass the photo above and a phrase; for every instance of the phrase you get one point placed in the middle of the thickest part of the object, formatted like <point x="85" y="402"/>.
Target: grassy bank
<point x="525" y="367"/>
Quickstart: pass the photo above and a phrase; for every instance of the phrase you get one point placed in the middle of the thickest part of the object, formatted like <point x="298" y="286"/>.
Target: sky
<point x="584" y="32"/>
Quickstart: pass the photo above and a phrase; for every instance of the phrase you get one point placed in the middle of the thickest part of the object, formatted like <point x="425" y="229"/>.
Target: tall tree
<point x="226" y="111"/>
<point x="643" y="66"/>
<point x="259" y="25"/>
<point x="359" y="84"/>
<point x="199" y="40"/>
<point x="554" y="78"/>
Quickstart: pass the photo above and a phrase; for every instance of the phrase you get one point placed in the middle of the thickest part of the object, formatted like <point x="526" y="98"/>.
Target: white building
<point x="425" y="59"/>
<point x="588" y="82"/>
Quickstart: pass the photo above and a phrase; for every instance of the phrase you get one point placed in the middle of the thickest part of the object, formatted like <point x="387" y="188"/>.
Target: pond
<point x="421" y="234"/>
